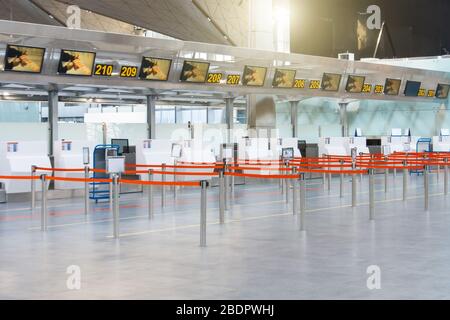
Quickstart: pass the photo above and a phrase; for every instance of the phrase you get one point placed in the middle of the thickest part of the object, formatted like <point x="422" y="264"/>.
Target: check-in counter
<point x="16" y="159"/>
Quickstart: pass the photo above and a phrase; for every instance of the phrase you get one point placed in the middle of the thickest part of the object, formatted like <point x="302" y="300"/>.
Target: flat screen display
<point x="78" y="63"/>
<point x="194" y="71"/>
<point x="392" y="87"/>
<point x="331" y="81"/>
<point x="121" y="143"/>
<point x="442" y="91"/>
<point x="254" y="76"/>
<point x="24" y="59"/>
<point x="155" y="69"/>
<point x="412" y="88"/>
<point x="283" y="78"/>
<point x="355" y="84"/>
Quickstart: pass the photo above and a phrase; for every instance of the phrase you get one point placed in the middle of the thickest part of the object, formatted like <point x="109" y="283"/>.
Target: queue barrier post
<point x="446" y="176"/>
<point x="341" y="181"/>
<point x="294" y="193"/>
<point x="329" y="181"/>
<point x="353" y="188"/>
<point x="86" y="190"/>
<point x="111" y="193"/>
<point x="426" y="187"/>
<point x="286" y="165"/>
<point x="302" y="202"/>
<point x="44" y="210"/>
<point x="371" y="195"/>
<point x="386" y="174"/>
<point x="438" y="173"/>
<point x="232" y="189"/>
<point x="175" y="179"/>
<point x="405" y="180"/>
<point x="33" y="187"/>
<point x="221" y="196"/>
<point x="163" y="187"/>
<point x="150" y="195"/>
<point x="204" y="186"/>
<point x="116" y="214"/>
<point x="226" y="190"/>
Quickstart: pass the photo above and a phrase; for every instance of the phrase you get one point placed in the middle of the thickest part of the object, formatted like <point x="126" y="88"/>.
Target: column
<point x="229" y="105"/>
<point x="294" y="119"/>
<point x="343" y="118"/>
<point x="52" y="121"/>
<point x="151" y="122"/>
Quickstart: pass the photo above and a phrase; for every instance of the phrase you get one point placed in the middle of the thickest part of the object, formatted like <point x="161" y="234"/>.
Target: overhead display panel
<point x="412" y="88"/>
<point x="392" y="87"/>
<point x="331" y="81"/>
<point x="299" y="83"/>
<point x="103" y="69"/>
<point x="233" y="79"/>
<point x="442" y="91"/>
<point x="155" y="69"/>
<point x="355" y="84"/>
<point x="254" y="76"/>
<point x="194" y="71"/>
<point x="78" y="63"/>
<point x="24" y="58"/>
<point x="283" y="78"/>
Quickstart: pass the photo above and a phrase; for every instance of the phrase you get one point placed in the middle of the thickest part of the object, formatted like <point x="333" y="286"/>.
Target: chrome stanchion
<point x="323" y="180"/>
<point x="302" y="202"/>
<point x="116" y="214"/>
<point x="353" y="190"/>
<point x="294" y="193"/>
<point x="438" y="171"/>
<point x="227" y="185"/>
<point x="386" y="174"/>
<point x="371" y="195"/>
<point x="86" y="190"/>
<point x="286" y="181"/>
<point x="446" y="176"/>
<point x="204" y="186"/>
<point x="163" y="187"/>
<point x="111" y="195"/>
<point x="221" y="196"/>
<point x="341" y="181"/>
<point x="33" y="187"/>
<point x="150" y="194"/>
<point x="175" y="179"/>
<point x="405" y="180"/>
<point x="329" y="180"/>
<point x="44" y="211"/>
<point x="426" y="186"/>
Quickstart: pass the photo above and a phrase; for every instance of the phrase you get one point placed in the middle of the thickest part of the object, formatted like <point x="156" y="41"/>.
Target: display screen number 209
<point x="128" y="71"/>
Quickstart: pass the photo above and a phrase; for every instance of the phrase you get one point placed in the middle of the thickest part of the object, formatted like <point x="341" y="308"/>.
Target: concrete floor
<point x="258" y="254"/>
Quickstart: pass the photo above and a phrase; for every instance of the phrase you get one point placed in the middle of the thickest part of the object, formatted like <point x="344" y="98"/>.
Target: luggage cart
<point x="100" y="190"/>
<point x="422" y="145"/>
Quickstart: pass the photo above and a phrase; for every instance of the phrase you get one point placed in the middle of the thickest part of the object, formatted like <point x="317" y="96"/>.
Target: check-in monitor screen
<point x="355" y="84"/>
<point x="442" y="91"/>
<point x="283" y="78"/>
<point x="79" y="63"/>
<point x="155" y="69"/>
<point x="194" y="71"/>
<point x="412" y="88"/>
<point x="24" y="59"/>
<point x="392" y="87"/>
<point x="331" y="81"/>
<point x="254" y="76"/>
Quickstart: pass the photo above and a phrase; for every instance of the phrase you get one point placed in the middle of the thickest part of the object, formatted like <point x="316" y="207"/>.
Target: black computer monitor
<point x="121" y="143"/>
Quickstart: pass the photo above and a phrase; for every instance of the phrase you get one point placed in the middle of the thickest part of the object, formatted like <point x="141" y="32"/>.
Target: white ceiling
<point x="181" y="19"/>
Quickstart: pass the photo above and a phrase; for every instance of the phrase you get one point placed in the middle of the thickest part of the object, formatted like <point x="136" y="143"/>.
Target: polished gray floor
<point x="259" y="253"/>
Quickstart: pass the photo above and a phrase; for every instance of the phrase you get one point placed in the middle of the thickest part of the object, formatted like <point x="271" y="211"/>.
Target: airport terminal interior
<point x="238" y="149"/>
